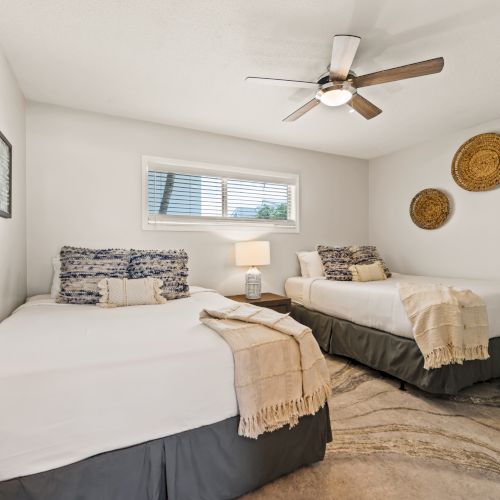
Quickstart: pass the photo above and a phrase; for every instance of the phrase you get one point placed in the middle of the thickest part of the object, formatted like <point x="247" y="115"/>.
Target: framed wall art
<point x="5" y="177"/>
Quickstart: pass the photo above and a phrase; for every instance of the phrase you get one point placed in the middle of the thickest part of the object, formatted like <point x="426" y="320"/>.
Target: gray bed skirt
<point x="397" y="356"/>
<point x="207" y="463"/>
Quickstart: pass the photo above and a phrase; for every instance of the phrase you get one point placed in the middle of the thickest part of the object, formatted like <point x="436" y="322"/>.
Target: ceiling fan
<point x="340" y="86"/>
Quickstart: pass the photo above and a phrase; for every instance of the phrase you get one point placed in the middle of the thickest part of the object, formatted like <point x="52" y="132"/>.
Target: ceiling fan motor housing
<point x="325" y="78"/>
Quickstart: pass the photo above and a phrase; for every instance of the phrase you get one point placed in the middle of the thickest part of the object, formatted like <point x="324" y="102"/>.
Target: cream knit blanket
<point x="280" y="372"/>
<point x="450" y="325"/>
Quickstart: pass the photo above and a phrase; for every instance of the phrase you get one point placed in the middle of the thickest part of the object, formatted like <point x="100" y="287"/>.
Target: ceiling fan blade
<point x="343" y="52"/>
<point x="302" y="110"/>
<point x="364" y="107"/>
<point x="401" y="73"/>
<point x="282" y="83"/>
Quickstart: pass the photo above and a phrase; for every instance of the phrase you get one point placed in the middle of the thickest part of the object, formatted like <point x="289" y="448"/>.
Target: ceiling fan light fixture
<point x="335" y="94"/>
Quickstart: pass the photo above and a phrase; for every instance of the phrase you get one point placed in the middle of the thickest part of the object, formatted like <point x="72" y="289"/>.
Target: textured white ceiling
<point x="183" y="62"/>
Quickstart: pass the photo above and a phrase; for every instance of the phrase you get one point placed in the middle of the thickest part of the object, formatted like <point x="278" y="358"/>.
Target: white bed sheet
<point x="377" y="304"/>
<point x="78" y="380"/>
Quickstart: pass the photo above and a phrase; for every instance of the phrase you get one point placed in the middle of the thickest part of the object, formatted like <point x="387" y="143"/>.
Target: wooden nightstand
<point x="278" y="303"/>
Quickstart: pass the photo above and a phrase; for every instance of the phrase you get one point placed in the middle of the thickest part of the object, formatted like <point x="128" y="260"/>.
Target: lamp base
<point x="253" y="284"/>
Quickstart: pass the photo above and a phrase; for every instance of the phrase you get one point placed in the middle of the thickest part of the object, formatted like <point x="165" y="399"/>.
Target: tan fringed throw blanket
<point x="280" y="372"/>
<point x="450" y="325"/>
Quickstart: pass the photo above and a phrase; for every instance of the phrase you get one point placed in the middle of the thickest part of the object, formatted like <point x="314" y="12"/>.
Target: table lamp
<point x="252" y="254"/>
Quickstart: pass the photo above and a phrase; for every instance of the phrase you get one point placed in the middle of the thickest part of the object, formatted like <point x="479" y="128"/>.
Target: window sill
<point x="217" y="227"/>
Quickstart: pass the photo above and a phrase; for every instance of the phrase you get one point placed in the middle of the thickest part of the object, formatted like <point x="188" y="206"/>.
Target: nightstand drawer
<point x="281" y="309"/>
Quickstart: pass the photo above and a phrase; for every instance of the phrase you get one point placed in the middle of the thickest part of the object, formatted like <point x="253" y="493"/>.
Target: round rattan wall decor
<point x="476" y="164"/>
<point x="429" y="208"/>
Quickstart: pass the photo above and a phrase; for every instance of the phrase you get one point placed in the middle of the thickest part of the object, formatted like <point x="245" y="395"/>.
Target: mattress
<point x="78" y="380"/>
<point x="376" y="304"/>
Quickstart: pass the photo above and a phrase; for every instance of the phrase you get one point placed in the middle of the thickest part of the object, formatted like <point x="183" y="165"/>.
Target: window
<point x="186" y="195"/>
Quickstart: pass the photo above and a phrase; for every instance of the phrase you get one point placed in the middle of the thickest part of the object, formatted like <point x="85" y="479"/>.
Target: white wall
<point x="84" y="188"/>
<point x="467" y="245"/>
<point x="13" y="231"/>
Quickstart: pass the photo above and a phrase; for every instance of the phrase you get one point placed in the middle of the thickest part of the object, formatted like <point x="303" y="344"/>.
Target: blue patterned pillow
<point x="168" y="265"/>
<point x="336" y="262"/>
<point x="83" y="268"/>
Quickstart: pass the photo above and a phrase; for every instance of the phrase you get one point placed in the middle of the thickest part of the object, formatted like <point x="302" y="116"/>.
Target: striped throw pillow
<point x="336" y="262"/>
<point x="83" y="268"/>
<point x="368" y="254"/>
<point x="168" y="265"/>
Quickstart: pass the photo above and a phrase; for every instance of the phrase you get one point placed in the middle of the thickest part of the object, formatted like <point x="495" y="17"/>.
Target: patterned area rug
<point x="392" y="444"/>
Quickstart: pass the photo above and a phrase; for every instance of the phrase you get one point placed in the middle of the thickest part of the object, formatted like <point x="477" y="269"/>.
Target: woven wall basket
<point x="429" y="208"/>
<point x="476" y="164"/>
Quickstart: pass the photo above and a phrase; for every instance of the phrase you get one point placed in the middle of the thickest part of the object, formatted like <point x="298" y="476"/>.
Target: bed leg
<point x="402" y="385"/>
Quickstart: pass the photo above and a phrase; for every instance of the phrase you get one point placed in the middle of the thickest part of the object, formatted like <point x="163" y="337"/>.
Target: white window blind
<point x="190" y="194"/>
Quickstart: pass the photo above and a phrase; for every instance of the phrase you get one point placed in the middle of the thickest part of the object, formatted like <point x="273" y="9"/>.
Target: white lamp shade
<point x="252" y="253"/>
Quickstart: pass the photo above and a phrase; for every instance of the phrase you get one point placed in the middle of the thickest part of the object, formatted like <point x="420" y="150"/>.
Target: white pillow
<point x="56" y="279"/>
<point x="310" y="264"/>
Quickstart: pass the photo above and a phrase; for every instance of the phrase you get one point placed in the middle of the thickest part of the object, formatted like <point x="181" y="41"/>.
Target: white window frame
<point x="190" y="223"/>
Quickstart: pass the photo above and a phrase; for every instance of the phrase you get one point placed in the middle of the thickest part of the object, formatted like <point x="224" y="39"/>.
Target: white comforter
<point x="80" y="380"/>
<point x="377" y="304"/>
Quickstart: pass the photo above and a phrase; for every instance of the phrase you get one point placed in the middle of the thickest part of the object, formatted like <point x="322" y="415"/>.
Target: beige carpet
<point x="389" y="444"/>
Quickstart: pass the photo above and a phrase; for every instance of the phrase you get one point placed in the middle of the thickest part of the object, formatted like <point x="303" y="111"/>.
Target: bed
<point x="367" y="322"/>
<point x="131" y="403"/>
